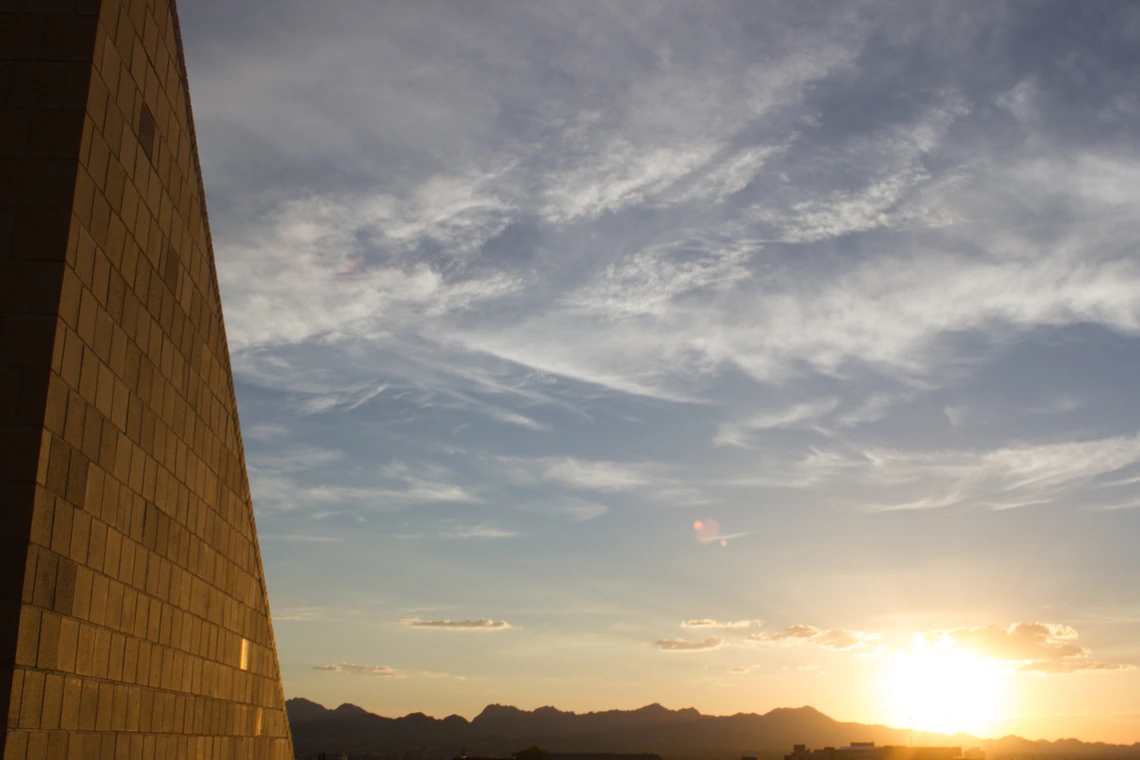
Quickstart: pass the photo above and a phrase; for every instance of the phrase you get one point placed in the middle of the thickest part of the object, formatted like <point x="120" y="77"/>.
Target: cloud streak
<point x="838" y="639"/>
<point x="686" y="645"/>
<point x="479" y="624"/>
<point x="727" y="624"/>
<point x="358" y="670"/>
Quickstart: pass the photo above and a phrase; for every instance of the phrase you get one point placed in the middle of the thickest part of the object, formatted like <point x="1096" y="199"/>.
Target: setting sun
<point x="932" y="688"/>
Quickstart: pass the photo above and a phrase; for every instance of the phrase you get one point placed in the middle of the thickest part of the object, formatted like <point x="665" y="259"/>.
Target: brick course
<point x="134" y="620"/>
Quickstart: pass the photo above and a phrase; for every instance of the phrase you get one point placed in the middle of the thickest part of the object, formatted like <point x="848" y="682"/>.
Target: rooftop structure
<point x="869" y="751"/>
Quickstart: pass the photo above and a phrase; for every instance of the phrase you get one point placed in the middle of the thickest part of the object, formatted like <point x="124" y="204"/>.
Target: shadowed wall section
<point x="134" y="619"/>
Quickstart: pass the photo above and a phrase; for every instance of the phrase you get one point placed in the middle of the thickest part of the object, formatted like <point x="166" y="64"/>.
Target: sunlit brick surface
<point x="134" y="618"/>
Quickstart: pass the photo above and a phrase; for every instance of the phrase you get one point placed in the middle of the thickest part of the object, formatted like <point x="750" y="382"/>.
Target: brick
<point x="28" y="637"/>
<point x="68" y="644"/>
<point x="69" y="706"/>
<point x="32" y="699"/>
<point x="88" y="705"/>
<point x="53" y="702"/>
<point x="65" y="585"/>
<point x="77" y="478"/>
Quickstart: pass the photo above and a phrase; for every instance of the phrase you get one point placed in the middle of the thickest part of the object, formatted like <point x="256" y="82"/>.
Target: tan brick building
<point x="134" y="620"/>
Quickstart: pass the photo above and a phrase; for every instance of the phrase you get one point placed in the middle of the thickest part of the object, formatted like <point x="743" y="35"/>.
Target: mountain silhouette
<point x="501" y="729"/>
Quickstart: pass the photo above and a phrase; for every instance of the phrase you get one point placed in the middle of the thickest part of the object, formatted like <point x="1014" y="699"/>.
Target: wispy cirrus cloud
<point x="1009" y="477"/>
<point x="596" y="475"/>
<point x="298" y="480"/>
<point x="336" y="268"/>
<point x="1021" y="474"/>
<point x="740" y="433"/>
<point x="650" y="479"/>
<point x="893" y="191"/>
<point x="576" y="510"/>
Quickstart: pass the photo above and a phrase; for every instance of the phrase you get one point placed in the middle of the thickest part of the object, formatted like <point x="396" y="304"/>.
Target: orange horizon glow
<point x="936" y="689"/>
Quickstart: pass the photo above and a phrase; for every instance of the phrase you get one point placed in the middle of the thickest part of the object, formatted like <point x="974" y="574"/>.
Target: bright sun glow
<point x="938" y="688"/>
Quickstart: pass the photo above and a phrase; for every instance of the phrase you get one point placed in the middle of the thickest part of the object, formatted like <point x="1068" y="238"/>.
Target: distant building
<point x="578" y="756"/>
<point x="868" y="751"/>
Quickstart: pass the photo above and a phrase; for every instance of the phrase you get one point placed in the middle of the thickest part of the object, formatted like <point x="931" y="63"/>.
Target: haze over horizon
<point x="733" y="355"/>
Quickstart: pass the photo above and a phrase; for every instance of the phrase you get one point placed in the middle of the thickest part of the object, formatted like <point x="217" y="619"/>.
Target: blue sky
<point x="519" y="293"/>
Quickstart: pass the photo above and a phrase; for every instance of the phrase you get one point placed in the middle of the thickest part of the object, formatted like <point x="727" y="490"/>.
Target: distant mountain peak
<point x="804" y="710"/>
<point x="301" y="710"/>
<point x="348" y="710"/>
<point x="497" y="710"/>
<point x="303" y="701"/>
<point x="655" y="707"/>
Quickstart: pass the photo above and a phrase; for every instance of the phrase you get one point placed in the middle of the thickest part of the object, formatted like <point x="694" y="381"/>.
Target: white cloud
<point x="894" y="310"/>
<point x="893" y="193"/>
<point x="623" y="175"/>
<point x="597" y="475"/>
<point x="334" y="268"/>
<point x="649" y="281"/>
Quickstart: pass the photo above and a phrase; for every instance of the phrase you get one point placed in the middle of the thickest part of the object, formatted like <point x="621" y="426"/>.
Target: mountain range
<point x="686" y="733"/>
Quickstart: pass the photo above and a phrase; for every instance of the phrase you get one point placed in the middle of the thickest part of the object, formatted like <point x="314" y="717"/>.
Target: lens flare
<point x="708" y="532"/>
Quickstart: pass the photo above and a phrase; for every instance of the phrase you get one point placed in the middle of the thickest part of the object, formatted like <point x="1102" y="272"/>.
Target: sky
<point x="726" y="355"/>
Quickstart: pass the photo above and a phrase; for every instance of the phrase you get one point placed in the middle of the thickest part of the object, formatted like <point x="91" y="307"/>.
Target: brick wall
<point x="134" y="619"/>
